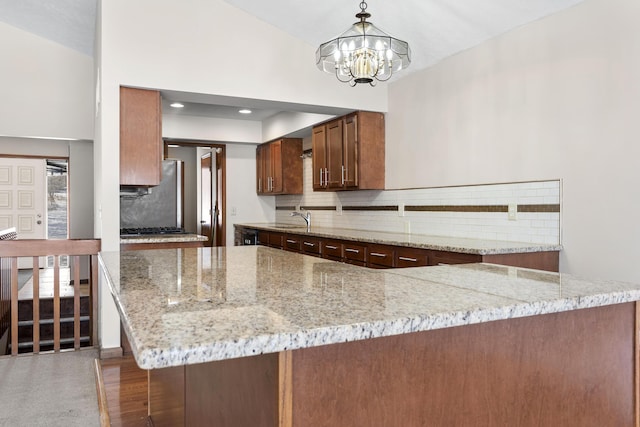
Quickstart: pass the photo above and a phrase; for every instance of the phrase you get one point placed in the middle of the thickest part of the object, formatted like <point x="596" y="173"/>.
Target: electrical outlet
<point x="513" y="212"/>
<point x="234" y="211"/>
<point x="400" y="209"/>
<point x="339" y="210"/>
<point x="407" y="227"/>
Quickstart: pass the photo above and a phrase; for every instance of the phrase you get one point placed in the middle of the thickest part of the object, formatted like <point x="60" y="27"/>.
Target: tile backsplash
<point x="519" y="212"/>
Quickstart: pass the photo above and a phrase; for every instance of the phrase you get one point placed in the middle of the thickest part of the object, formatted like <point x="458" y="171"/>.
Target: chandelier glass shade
<point x="363" y="53"/>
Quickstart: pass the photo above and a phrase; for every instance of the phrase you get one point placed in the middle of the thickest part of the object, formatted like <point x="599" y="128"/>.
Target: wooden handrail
<point x="37" y="247"/>
<point x="75" y="249"/>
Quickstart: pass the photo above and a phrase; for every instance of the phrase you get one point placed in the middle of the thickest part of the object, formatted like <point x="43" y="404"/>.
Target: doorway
<point x="204" y="187"/>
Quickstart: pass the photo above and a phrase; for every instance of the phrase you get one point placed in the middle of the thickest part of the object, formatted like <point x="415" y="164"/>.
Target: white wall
<point x="50" y="88"/>
<point x="555" y="99"/>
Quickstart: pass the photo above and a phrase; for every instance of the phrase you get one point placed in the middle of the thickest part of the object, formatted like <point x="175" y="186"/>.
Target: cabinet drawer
<point x="292" y="243"/>
<point x="310" y="245"/>
<point x="332" y="249"/>
<point x="411" y="257"/>
<point x="354" y="252"/>
<point x="381" y="256"/>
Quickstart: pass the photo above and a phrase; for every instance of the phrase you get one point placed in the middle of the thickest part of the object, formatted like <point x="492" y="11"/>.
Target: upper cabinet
<point x="348" y="153"/>
<point x="140" y="137"/>
<point x="279" y="167"/>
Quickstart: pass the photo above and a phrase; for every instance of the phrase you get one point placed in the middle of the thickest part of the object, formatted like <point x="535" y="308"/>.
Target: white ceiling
<point x="435" y="29"/>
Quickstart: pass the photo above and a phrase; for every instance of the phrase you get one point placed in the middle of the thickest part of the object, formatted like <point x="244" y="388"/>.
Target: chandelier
<point x="363" y="53"/>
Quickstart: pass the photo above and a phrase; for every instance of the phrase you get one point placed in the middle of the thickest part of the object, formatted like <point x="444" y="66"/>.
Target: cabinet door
<point x="260" y="169"/>
<point x="263" y="238"/>
<point x="140" y="137"/>
<point x="350" y="151"/>
<point x="275" y="157"/>
<point x="319" y="156"/>
<point x="335" y="137"/>
<point x="276" y="239"/>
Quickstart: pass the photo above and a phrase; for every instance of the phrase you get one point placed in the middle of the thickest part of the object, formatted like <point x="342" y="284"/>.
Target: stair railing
<point x="75" y="250"/>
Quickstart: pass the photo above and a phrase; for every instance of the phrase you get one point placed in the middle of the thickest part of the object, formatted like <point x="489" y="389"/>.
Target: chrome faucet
<point x="307" y="218"/>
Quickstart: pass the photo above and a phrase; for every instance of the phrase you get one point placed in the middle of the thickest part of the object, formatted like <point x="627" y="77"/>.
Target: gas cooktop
<point x="151" y="230"/>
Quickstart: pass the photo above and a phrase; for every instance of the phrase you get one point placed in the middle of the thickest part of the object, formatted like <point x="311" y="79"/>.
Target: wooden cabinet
<point x="310" y="245"/>
<point x="348" y="153"/>
<point x="279" y="167"/>
<point x="411" y="257"/>
<point x="276" y="240"/>
<point x="355" y="253"/>
<point x="319" y="156"/>
<point x="381" y="256"/>
<point x="292" y="242"/>
<point x="140" y="137"/>
<point x="376" y="255"/>
<point x="331" y="249"/>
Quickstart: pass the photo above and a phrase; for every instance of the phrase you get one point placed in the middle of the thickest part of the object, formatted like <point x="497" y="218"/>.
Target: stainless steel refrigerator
<point x="159" y="206"/>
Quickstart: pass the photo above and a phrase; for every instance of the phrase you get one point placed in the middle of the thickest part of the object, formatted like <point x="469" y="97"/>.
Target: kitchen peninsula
<point x="381" y="249"/>
<point x="161" y="241"/>
<point x="257" y="336"/>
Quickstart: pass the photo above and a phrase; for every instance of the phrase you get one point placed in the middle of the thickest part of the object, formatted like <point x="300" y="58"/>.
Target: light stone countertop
<point x="163" y="238"/>
<point x="440" y="243"/>
<point x="195" y="305"/>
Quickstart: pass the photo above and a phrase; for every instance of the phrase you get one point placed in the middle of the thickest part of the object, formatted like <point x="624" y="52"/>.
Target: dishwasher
<point x="249" y="237"/>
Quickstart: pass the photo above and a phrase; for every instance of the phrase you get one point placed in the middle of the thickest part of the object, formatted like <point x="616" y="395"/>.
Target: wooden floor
<point x="126" y="389"/>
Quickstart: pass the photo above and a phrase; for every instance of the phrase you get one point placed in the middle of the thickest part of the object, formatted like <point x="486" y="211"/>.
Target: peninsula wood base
<point x="576" y="368"/>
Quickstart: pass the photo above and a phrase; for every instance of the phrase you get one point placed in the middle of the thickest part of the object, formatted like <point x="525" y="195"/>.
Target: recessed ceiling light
<point x="177" y="105"/>
<point x="244" y="111"/>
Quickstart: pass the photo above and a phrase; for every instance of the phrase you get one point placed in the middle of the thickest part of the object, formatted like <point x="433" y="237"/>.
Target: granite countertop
<point x="440" y="243"/>
<point x="198" y="305"/>
<point x="163" y="238"/>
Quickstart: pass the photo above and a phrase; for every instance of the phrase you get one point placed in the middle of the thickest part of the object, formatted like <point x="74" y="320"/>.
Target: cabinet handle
<point x="326" y="177"/>
<point x="378" y="255"/>
<point x="260" y="185"/>
<point x="331" y="247"/>
<point x="407" y="259"/>
<point x="320" y="177"/>
<point x="309" y="244"/>
<point x="291" y="241"/>
<point x="342" y="175"/>
<point x="355" y="251"/>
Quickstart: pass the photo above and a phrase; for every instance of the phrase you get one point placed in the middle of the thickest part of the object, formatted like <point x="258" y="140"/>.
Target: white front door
<point x="23" y="184"/>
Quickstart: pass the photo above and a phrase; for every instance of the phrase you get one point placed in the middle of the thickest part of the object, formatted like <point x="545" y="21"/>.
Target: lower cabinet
<point x="331" y="249"/>
<point x="411" y="257"/>
<point x="276" y="240"/>
<point x="380" y="256"/>
<point x="355" y="253"/>
<point x="310" y="246"/>
<point x="374" y="255"/>
<point x="292" y="242"/>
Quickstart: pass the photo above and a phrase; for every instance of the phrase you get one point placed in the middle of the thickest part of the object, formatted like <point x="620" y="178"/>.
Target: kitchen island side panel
<point x="568" y="369"/>
<point x="574" y="368"/>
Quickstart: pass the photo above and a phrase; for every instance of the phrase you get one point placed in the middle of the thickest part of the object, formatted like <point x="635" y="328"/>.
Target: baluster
<point x="36" y="303"/>
<point x="76" y="302"/>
